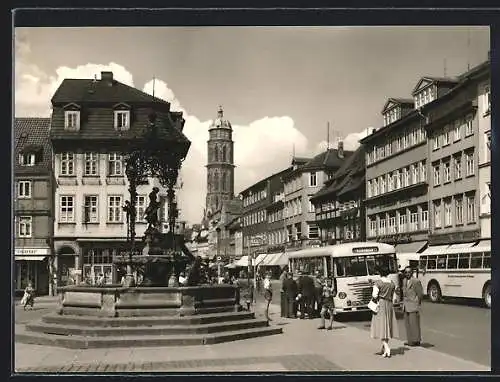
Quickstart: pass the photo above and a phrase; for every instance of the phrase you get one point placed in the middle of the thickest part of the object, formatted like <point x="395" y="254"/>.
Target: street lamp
<point x="218" y="254"/>
<point x="158" y="153"/>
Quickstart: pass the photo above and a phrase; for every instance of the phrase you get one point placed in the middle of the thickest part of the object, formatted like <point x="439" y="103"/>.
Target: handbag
<point x="373" y="306"/>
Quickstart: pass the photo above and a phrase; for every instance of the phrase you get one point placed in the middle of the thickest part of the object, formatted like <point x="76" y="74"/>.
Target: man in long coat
<point x="412" y="302"/>
<point x="290" y="290"/>
<point x="306" y="291"/>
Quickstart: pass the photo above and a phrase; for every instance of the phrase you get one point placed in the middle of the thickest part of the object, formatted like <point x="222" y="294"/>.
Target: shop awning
<point x="414" y="247"/>
<point x="484" y="243"/>
<point x="281" y="260"/>
<point x="260" y="258"/>
<point x="461" y="245"/>
<point x="31" y="258"/>
<point x="435" y="249"/>
<point x="242" y="262"/>
<point x="269" y="259"/>
<point x="231" y="266"/>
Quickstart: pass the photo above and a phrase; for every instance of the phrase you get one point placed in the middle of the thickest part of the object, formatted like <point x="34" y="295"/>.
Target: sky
<point x="280" y="87"/>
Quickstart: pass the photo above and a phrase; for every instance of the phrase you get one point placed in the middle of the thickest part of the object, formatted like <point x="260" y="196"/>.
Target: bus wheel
<point x="434" y="292"/>
<point x="487" y="296"/>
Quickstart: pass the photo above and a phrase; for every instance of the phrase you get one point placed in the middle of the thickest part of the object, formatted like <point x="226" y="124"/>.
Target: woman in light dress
<point x="384" y="325"/>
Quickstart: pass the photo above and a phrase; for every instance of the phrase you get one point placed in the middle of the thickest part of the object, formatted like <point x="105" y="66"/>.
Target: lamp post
<point x="218" y="254"/>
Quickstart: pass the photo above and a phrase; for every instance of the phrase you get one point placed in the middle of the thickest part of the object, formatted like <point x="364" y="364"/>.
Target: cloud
<point x="262" y="147"/>
<point x="351" y="141"/>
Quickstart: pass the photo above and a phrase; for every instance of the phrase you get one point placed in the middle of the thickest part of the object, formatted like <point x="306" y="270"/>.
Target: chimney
<point x="373" y="130"/>
<point x="107" y="76"/>
<point x="340" y="149"/>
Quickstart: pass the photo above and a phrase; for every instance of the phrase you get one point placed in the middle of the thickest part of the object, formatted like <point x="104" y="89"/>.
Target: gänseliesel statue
<point x="151" y="213"/>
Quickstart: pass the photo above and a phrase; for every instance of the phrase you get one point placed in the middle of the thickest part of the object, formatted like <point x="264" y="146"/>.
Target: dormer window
<point x="424" y="96"/>
<point x="122" y="120"/>
<point x="27" y="159"/>
<point x="392" y="115"/>
<point x="72" y="120"/>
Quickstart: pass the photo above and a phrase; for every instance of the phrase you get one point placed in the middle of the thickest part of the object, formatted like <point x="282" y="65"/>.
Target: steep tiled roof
<point x="32" y="134"/>
<point x="328" y="159"/>
<point x="108" y="91"/>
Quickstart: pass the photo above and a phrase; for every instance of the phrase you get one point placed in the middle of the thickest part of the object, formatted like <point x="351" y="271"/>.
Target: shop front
<point x="32" y="265"/>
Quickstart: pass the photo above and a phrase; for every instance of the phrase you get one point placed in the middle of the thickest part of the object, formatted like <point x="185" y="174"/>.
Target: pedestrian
<point x="412" y="302"/>
<point x="384" y="325"/>
<point x="290" y="289"/>
<point x="327" y="304"/>
<point x="268" y="293"/>
<point x="318" y="292"/>
<point x="305" y="286"/>
<point x="249" y="294"/>
<point x="29" y="296"/>
<point x="283" y="302"/>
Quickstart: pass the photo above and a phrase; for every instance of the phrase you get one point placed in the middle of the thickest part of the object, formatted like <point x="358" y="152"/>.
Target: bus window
<point x="463" y="260"/>
<point x="423" y="262"/>
<point x="441" y="262"/>
<point x="452" y="261"/>
<point x="431" y="262"/>
<point x="329" y="267"/>
<point x="350" y="266"/>
<point x="476" y="260"/>
<point x="487" y="260"/>
<point x="413" y="264"/>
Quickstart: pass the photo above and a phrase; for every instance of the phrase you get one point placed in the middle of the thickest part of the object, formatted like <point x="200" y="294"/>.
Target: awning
<point x="231" y="266"/>
<point x="242" y="262"/>
<point x="268" y="261"/>
<point x="414" y="247"/>
<point x="281" y="260"/>
<point x="30" y="258"/>
<point x="461" y="245"/>
<point x="484" y="243"/>
<point x="435" y="249"/>
<point x="260" y="258"/>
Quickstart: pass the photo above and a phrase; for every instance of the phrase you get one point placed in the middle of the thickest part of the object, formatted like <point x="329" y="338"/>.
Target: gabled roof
<point x="100" y="91"/>
<point x="327" y="159"/>
<point x="396" y="101"/>
<point x="32" y="133"/>
<point x="424" y="81"/>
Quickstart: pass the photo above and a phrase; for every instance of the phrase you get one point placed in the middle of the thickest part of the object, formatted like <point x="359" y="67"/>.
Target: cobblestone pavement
<point x="306" y="362"/>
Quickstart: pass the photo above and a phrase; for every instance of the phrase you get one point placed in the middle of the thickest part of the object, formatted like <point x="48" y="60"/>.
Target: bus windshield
<point x="354" y="266"/>
<point x="309" y="265"/>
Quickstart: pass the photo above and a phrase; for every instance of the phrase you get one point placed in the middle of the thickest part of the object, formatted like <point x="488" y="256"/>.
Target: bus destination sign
<point x="365" y="250"/>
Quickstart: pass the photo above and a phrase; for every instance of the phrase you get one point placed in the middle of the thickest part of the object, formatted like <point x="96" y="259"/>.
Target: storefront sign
<point x="32" y="251"/>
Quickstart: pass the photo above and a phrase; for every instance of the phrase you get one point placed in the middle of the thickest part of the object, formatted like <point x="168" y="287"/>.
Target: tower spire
<point x="220" y="112"/>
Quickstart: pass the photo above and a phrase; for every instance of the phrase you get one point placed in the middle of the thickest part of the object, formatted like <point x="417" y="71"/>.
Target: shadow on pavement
<point x="399" y="350"/>
<point x="426" y="345"/>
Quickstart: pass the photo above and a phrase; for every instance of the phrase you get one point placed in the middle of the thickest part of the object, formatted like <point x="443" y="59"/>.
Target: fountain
<point x="156" y="311"/>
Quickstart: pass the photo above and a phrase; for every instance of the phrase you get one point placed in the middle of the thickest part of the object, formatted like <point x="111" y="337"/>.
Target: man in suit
<point x="306" y="291"/>
<point x="290" y="290"/>
<point x="412" y="302"/>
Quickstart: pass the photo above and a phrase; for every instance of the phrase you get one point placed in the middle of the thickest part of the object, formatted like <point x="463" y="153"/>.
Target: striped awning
<point x="269" y="259"/>
<point x="281" y="260"/>
<point x="242" y="262"/>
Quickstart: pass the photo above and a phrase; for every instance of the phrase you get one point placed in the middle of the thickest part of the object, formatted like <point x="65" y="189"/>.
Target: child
<point x="29" y="296"/>
<point x="328" y="304"/>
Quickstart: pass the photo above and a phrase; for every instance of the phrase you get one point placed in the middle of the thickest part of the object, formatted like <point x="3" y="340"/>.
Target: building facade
<point x="339" y="205"/>
<point x="220" y="165"/>
<point x="33" y="205"/>
<point x="92" y="123"/>
<point x="457" y="128"/>
<point x="300" y="185"/>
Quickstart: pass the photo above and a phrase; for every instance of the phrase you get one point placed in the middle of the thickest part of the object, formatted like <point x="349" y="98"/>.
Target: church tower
<point x="220" y="164"/>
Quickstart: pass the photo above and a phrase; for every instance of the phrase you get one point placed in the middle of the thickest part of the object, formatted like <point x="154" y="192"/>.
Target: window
<point x="406" y="177"/>
<point x="397" y="181"/>
<point x="476" y="260"/>
<point x="487" y="99"/>
<point x="25" y="226"/>
<point x="312" y="180"/>
<point x="373" y="227"/>
<point x="437" y="173"/>
<point x="382" y="226"/>
<point x="437" y="214"/>
<point x="375" y="187"/>
<point x="414" y="174"/>
<point x="469" y="163"/>
<point x="392" y="224"/>
<point x="390" y="183"/>
<point x="452" y="261"/>
<point x="423" y="171"/>
<point x="27" y="159"/>
<point x="441" y="262"/>
<point x="403" y="221"/>
<point x="399" y="143"/>
<point x="447" y="213"/>
<point x="90" y="209"/>
<point x="115" y="164"/>
<point x="91" y="164"/>
<point x="457" y="131"/>
<point x="468" y="127"/>
<point x="464" y="260"/>
<point x="24" y="189"/>
<point x="114" y="209"/>
<point x="388" y="149"/>
<point x="447" y="172"/>
<point x="458" y="167"/>
<point x="122" y="120"/>
<point x="471" y="209"/>
<point x="311" y="206"/>
<point x="487" y="139"/>
<point x="67" y="209"/>
<point x="72" y="120"/>
<point x="459" y="210"/>
<point x="369" y="188"/>
<point x="67" y="164"/>
<point x="446" y="138"/>
<point x="435" y="143"/>
<point x="313" y="231"/>
<point x="425" y="219"/>
<point x="382" y="184"/>
<point x="413" y="221"/>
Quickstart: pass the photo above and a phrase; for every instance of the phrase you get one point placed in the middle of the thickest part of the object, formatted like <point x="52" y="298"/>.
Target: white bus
<point x="460" y="272"/>
<point x="352" y="266"/>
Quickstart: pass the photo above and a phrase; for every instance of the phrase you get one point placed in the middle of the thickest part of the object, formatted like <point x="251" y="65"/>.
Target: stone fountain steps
<point x="93" y="321"/>
<point x="145" y="312"/>
<point x="86" y="331"/>
<point x="23" y="335"/>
